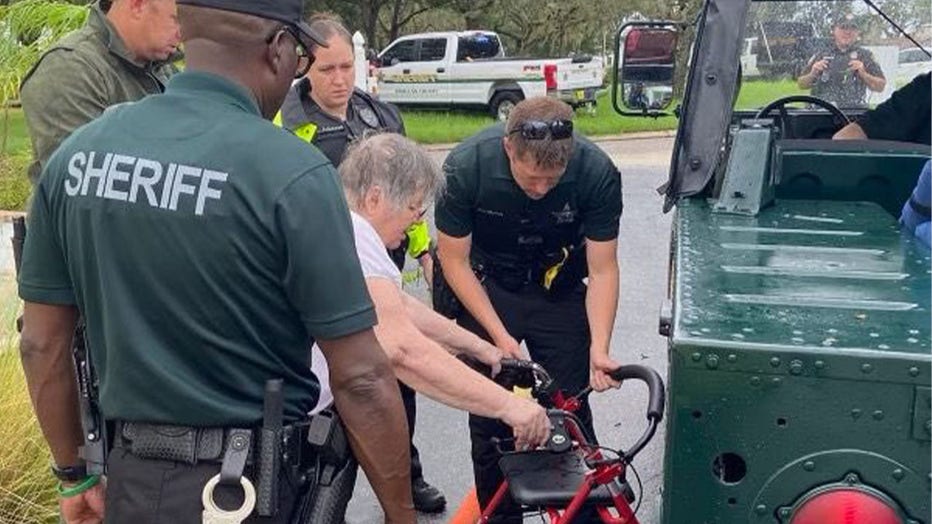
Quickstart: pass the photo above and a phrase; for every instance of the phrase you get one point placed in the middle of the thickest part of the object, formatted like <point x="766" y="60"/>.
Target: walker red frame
<point x="604" y="471"/>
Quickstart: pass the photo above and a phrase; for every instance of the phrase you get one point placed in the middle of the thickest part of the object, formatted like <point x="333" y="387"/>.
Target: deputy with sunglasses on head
<point x="530" y="211"/>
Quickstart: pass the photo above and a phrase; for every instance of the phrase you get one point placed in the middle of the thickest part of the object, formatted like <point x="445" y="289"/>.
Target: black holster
<point x="96" y="444"/>
<point x="325" y="501"/>
<point x="328" y="438"/>
<point x="95" y="448"/>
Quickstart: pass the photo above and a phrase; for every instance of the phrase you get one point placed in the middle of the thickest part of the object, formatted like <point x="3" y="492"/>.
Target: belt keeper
<point x="234" y="459"/>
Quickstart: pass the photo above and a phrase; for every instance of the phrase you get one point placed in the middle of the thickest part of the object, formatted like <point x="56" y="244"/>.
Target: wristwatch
<point x="74" y="473"/>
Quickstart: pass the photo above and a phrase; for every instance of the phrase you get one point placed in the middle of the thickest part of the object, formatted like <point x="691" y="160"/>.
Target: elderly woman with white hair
<point x="389" y="181"/>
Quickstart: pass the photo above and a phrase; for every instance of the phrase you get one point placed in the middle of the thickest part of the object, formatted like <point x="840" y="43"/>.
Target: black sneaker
<point x="427" y="499"/>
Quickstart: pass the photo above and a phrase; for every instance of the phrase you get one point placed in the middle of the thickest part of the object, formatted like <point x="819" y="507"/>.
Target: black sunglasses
<point x="305" y="58"/>
<point x="539" y="130"/>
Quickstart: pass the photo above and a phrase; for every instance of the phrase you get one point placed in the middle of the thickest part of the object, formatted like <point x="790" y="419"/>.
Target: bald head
<point x="252" y="51"/>
<point x="226" y="29"/>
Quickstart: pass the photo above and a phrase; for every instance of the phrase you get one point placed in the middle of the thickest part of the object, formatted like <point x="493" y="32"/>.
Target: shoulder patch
<point x="368" y="116"/>
<point x="306" y="132"/>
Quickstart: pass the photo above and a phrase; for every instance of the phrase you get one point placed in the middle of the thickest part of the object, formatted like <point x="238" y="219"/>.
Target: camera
<point x="828" y="59"/>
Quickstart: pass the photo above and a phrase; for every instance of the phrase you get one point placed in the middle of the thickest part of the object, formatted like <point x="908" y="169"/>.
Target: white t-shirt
<point x="375" y="262"/>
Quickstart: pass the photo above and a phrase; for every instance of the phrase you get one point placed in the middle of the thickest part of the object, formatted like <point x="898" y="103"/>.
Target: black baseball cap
<point x="847" y="21"/>
<point x="285" y="11"/>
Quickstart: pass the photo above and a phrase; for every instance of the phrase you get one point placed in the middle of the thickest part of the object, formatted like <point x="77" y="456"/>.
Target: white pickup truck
<point x="469" y="69"/>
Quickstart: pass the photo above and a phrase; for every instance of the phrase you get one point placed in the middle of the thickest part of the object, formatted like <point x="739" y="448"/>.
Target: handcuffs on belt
<point x="214" y="514"/>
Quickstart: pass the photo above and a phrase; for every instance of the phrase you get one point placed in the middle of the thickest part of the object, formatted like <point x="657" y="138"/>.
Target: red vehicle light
<point x="845" y="506"/>
<point x="550" y="76"/>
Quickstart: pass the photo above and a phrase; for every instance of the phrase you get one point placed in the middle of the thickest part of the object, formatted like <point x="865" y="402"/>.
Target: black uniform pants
<point x="410" y="402"/>
<point x="145" y="491"/>
<point x="556" y="332"/>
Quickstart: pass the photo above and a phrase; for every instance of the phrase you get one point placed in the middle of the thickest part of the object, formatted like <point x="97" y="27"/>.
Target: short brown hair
<point x="547" y="153"/>
<point x="329" y="25"/>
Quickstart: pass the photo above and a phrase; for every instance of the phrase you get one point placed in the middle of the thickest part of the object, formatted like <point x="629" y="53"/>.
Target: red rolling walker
<point x="572" y="472"/>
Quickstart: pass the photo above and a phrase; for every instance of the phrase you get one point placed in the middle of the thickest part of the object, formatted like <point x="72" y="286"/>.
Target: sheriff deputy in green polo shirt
<point x="186" y="230"/>
<point x="531" y="210"/>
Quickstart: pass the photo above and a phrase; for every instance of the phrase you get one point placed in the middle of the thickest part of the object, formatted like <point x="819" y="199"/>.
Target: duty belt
<point x="232" y="448"/>
<point x="193" y="445"/>
<point x="554" y="272"/>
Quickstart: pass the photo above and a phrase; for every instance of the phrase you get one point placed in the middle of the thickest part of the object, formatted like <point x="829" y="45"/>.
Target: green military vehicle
<point x="798" y="313"/>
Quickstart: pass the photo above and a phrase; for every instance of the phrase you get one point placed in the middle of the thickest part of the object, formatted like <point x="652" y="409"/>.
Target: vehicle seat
<point x="544" y="478"/>
<point x="848" y="170"/>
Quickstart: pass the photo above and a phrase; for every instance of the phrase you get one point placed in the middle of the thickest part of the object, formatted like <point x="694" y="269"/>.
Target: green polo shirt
<point x="206" y="249"/>
<point x="507" y="226"/>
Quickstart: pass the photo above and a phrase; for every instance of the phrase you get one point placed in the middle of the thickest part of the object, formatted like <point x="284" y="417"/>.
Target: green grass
<point x="14" y="183"/>
<point x="27" y="490"/>
<point x="443" y="127"/>
<point x="15" y="156"/>
<point x="438" y="127"/>
<point x="755" y="94"/>
<point x="17" y="139"/>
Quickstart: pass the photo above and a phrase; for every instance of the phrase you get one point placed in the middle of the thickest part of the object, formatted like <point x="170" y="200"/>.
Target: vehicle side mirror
<point x="644" y="68"/>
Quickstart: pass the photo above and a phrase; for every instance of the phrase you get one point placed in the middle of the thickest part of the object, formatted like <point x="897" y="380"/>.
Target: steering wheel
<point x="780" y="104"/>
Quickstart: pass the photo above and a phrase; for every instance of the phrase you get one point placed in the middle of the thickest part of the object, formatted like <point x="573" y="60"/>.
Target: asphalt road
<point x="442" y="434"/>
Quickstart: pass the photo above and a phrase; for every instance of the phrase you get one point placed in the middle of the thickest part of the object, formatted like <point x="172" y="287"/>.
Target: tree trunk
<point x="370" y="22"/>
<point x="394" y="29"/>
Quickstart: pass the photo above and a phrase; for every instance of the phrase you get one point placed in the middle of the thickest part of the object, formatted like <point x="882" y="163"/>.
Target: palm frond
<point x="27" y="29"/>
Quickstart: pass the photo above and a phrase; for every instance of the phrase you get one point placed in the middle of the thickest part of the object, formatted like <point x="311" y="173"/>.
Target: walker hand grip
<point x="654" y="383"/>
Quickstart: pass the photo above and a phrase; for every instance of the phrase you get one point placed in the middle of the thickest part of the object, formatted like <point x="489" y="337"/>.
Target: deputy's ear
<point x="509" y="147"/>
<point x="275" y="53"/>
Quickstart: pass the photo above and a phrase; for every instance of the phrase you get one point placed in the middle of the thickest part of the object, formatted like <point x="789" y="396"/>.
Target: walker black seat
<point x="543" y="478"/>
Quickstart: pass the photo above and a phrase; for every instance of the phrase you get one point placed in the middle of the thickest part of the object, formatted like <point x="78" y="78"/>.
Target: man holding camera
<point x="843" y="71"/>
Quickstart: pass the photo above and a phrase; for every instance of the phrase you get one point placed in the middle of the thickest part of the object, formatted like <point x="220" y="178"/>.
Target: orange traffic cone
<point x="468" y="512"/>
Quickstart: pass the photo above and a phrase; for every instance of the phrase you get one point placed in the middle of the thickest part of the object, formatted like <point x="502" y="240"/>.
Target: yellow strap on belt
<point x="554" y="270"/>
<point x="418" y="239"/>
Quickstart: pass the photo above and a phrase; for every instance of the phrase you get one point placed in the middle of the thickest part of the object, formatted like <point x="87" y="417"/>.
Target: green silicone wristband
<point x="77" y="489"/>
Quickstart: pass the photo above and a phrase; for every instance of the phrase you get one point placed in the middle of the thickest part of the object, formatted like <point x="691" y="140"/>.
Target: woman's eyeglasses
<point x="420" y="210"/>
